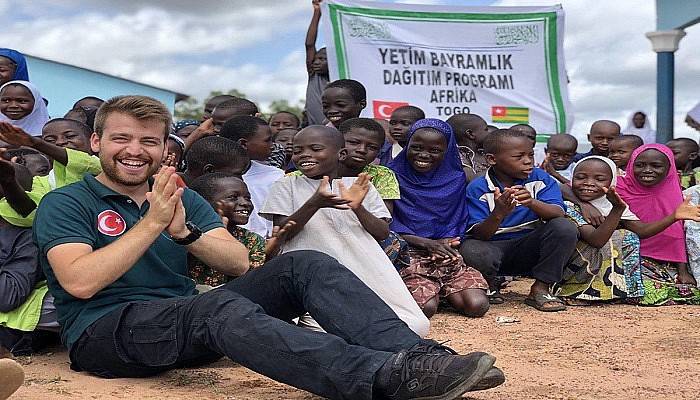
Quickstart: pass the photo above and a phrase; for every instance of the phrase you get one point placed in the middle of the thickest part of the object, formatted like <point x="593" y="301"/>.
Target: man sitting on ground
<point x="114" y="250"/>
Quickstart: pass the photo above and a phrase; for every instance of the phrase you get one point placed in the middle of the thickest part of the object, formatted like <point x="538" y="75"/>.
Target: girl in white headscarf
<point x="21" y="105"/>
<point x="638" y="124"/>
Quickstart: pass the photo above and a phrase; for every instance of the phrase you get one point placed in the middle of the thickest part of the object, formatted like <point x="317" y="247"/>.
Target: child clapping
<point x="343" y="218"/>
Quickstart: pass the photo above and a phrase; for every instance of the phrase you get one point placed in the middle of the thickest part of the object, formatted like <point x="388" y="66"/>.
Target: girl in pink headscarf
<point x="652" y="190"/>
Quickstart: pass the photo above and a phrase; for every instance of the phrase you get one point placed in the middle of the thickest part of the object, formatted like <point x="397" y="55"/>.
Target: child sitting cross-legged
<point x="606" y="264"/>
<point x="342" y="217"/>
<point x="431" y="216"/>
<point x="651" y="189"/>
<point x="229" y="196"/>
<point x="517" y="221"/>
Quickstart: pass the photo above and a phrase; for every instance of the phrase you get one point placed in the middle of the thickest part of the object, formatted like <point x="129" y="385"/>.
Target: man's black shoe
<point x="420" y="375"/>
<point x="494" y="377"/>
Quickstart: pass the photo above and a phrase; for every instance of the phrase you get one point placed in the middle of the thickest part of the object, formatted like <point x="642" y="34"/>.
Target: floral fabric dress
<point x="205" y="275"/>
<point x="599" y="274"/>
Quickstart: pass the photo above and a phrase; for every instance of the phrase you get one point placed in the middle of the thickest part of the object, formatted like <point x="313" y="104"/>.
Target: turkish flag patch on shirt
<point x="110" y="223"/>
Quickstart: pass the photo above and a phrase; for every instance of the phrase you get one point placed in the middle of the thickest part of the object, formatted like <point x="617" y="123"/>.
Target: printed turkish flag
<point x="383" y="109"/>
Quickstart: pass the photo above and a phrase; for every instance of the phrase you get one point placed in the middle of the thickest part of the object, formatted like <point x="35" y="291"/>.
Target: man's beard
<point x="111" y="170"/>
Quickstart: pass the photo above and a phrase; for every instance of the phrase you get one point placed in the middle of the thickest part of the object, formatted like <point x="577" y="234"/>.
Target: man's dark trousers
<point x="246" y="320"/>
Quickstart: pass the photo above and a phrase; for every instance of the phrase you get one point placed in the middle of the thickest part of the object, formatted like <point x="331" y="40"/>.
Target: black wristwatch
<point x="195" y="233"/>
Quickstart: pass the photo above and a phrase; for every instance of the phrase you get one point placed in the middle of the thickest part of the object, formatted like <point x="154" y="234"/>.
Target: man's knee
<point x="307" y="260"/>
<point x="221" y="302"/>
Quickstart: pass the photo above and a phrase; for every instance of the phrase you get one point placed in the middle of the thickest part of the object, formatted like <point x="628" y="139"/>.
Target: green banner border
<point x="551" y="48"/>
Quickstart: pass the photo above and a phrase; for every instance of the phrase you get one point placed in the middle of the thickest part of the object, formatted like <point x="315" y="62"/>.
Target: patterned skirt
<point x="608" y="273"/>
<point x="660" y="287"/>
<point x="426" y="278"/>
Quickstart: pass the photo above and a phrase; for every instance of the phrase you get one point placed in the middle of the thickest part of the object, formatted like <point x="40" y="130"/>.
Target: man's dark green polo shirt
<point x="89" y="212"/>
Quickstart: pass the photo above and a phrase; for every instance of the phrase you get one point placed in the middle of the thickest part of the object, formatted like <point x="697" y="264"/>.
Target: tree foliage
<point x="193" y="108"/>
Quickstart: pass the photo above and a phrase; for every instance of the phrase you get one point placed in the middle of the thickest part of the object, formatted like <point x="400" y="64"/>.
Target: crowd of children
<point x="423" y="211"/>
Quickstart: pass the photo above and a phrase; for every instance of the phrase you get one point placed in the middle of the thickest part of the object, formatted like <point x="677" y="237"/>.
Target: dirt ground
<point x="611" y="352"/>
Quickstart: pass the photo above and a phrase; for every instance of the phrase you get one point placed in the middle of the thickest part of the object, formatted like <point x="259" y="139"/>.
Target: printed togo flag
<point x="383" y="109"/>
<point x="511" y="115"/>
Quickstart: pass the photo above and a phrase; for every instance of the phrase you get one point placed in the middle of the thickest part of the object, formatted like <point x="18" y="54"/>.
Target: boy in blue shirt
<point x="517" y="222"/>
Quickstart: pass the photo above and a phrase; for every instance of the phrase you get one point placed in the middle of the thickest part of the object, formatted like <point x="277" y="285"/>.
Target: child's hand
<point x="547" y="166"/>
<point x="324" y="198"/>
<point x="316" y="4"/>
<point x="7" y="170"/>
<point x="15" y="135"/>
<point x="452" y="242"/>
<point x="613" y="197"/>
<point x="504" y="202"/>
<point x="279" y="236"/>
<point x="222" y="208"/>
<point x="591" y="214"/>
<point x="687" y="211"/>
<point x="357" y="191"/>
<point x="440" y="249"/>
<point x="522" y="195"/>
<point x="169" y="161"/>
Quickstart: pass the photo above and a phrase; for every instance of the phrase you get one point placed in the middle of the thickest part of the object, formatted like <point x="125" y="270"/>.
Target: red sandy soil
<point x="601" y="352"/>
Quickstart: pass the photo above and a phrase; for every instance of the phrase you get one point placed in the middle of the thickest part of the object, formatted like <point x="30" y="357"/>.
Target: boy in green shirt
<point x="64" y="141"/>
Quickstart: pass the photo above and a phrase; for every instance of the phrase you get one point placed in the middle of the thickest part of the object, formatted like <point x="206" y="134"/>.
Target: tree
<point x="188" y="109"/>
<point x="283" y="105"/>
<point x="191" y="108"/>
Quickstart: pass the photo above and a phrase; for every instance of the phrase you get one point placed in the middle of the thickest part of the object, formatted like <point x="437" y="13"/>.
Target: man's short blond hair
<point x="142" y="108"/>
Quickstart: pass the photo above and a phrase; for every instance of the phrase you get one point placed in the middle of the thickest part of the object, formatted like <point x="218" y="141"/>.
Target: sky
<point x="257" y="47"/>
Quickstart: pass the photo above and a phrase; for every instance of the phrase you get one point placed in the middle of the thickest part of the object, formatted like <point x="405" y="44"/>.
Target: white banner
<point x="505" y="64"/>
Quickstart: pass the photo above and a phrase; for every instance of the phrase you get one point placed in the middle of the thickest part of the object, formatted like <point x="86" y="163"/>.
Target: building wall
<point x="63" y="84"/>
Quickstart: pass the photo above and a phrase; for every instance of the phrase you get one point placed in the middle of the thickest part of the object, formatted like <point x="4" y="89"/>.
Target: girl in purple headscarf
<point x="431" y="216"/>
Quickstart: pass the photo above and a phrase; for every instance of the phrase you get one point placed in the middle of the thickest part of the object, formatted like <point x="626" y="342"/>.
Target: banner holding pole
<point x="505" y="64"/>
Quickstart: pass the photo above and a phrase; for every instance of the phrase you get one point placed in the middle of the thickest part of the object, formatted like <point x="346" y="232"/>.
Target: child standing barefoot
<point x="431" y="216"/>
<point x="343" y="218"/>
